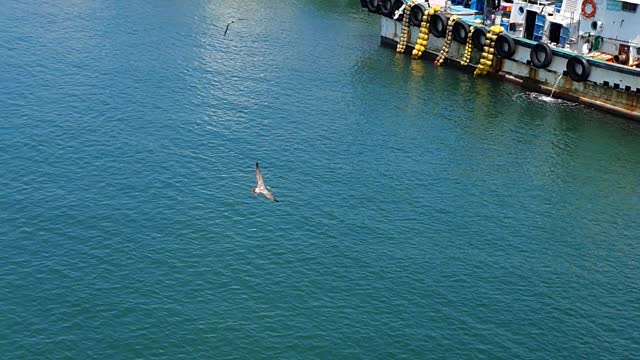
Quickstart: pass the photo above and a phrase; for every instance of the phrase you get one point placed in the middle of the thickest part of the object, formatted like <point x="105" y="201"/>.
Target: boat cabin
<point x="606" y="29"/>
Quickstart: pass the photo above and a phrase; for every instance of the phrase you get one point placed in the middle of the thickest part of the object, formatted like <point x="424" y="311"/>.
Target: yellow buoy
<point x="423" y="37"/>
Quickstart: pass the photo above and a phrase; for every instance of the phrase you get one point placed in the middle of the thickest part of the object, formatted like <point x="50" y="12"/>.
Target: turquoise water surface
<point x="424" y="213"/>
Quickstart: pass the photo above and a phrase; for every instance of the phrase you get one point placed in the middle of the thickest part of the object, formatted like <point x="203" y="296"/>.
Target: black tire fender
<point x="397" y="4"/>
<point x="505" y="46"/>
<point x="541" y="55"/>
<point x="460" y="31"/>
<point x="478" y="38"/>
<point x="415" y="16"/>
<point x="386" y="8"/>
<point x="373" y="6"/>
<point x="578" y="68"/>
<point x="438" y="25"/>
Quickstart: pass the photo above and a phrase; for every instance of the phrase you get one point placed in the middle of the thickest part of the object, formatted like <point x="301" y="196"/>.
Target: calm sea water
<point x="424" y="213"/>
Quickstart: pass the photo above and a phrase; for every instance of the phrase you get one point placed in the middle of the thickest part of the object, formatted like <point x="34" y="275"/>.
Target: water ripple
<point x="423" y="211"/>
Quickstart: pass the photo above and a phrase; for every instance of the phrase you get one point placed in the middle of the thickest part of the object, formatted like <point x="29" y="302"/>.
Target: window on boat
<point x="629" y="7"/>
<point x="554" y="32"/>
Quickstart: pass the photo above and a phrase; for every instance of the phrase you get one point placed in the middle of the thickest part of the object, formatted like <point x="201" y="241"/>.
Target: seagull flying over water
<point x="260" y="187"/>
<point x="227" y="28"/>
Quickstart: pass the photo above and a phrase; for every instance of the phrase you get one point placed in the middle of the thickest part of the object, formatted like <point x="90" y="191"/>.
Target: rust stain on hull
<point x="562" y="93"/>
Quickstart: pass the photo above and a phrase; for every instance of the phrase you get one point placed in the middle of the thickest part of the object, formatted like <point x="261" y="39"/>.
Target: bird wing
<point x="269" y="196"/>
<point x="259" y="178"/>
<point x="232" y="21"/>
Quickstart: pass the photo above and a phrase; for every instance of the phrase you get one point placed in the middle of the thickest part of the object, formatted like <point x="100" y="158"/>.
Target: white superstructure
<point x="607" y="29"/>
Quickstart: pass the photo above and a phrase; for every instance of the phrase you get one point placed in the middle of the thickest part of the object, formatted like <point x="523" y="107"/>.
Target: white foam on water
<point x="533" y="96"/>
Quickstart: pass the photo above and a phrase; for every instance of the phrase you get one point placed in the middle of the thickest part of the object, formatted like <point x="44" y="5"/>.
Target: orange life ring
<point x="592" y="12"/>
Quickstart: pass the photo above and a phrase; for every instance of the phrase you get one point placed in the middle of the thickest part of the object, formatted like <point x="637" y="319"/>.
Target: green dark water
<point x="424" y="213"/>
